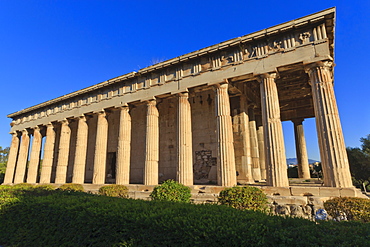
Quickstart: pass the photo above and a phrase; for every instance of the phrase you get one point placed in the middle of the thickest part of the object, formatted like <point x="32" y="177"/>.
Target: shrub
<point x="23" y="186"/>
<point x="247" y="197"/>
<point x="172" y="191"/>
<point x="72" y="187"/>
<point x="355" y="208"/>
<point x="114" y="190"/>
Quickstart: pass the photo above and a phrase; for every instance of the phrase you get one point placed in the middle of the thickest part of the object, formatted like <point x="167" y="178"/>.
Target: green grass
<point x="39" y="217"/>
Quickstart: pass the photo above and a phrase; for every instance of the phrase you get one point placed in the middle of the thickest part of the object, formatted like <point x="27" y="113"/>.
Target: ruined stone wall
<point x="204" y="136"/>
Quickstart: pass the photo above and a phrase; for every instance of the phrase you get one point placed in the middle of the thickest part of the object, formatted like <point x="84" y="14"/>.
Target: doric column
<point x="301" y="150"/>
<point x="62" y="164"/>
<point x="35" y="156"/>
<point x="100" y="157"/>
<point x="184" y="141"/>
<point x="12" y="158"/>
<point x="273" y="132"/>
<point x="47" y="161"/>
<point x="226" y="172"/>
<point x="333" y="154"/>
<point x="245" y="170"/>
<point x="151" y="144"/>
<point x="261" y="147"/>
<point x="22" y="158"/>
<point x="256" y="170"/>
<point x="124" y="147"/>
<point x="78" y="176"/>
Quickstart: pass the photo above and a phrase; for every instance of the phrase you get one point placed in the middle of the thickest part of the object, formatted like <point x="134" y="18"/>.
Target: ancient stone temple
<point x="211" y="116"/>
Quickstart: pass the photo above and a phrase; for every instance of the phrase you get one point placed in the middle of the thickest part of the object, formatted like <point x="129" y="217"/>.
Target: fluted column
<point x="333" y="154"/>
<point x="151" y="144"/>
<point x="301" y="150"/>
<point x="261" y="147"/>
<point x="81" y="151"/>
<point x="184" y="141"/>
<point x="100" y="158"/>
<point x="22" y="158"/>
<point x="47" y="161"/>
<point x="245" y="170"/>
<point x="226" y="172"/>
<point x="256" y="170"/>
<point x="273" y="133"/>
<point x="35" y="156"/>
<point x="12" y="158"/>
<point x="62" y="164"/>
<point x="124" y="147"/>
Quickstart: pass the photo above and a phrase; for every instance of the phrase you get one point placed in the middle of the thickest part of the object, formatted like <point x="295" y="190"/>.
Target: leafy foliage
<point x="56" y="218"/>
<point x="247" y="197"/>
<point x="72" y="187"/>
<point x="2" y="172"/>
<point x="354" y="208"/>
<point x="172" y="191"/>
<point x="114" y="190"/>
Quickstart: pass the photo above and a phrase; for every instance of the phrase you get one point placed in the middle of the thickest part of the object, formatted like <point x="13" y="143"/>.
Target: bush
<point x="114" y="190"/>
<point x="355" y="208"/>
<point x="72" y="187"/>
<point x="23" y="186"/>
<point x="172" y="191"/>
<point x="247" y="197"/>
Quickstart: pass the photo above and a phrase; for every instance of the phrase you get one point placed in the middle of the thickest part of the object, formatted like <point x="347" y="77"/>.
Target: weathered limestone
<point x="35" y="156"/>
<point x="301" y="150"/>
<point x="151" y="144"/>
<point x="100" y="149"/>
<point x="124" y="146"/>
<point x="62" y="164"/>
<point x="273" y="133"/>
<point x="184" y="141"/>
<point x="261" y="147"/>
<point x="226" y="164"/>
<point x="22" y="158"/>
<point x="333" y="154"/>
<point x="81" y="151"/>
<point x="256" y="170"/>
<point x="245" y="175"/>
<point x="12" y="158"/>
<point x="47" y="162"/>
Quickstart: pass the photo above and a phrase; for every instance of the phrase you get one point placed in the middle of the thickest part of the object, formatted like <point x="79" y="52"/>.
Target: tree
<point x="4" y="153"/>
<point x="359" y="161"/>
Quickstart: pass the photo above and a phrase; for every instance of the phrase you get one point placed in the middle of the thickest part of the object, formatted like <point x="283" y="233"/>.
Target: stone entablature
<point x="178" y="74"/>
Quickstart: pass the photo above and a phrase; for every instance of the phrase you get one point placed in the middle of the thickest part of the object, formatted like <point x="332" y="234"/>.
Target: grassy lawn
<point x="38" y="217"/>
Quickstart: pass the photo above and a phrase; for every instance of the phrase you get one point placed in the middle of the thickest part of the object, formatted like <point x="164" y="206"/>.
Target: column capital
<point x="271" y="75"/>
<point x="64" y="121"/>
<point x="325" y="64"/>
<point x="25" y="131"/>
<point x="14" y="133"/>
<point x="183" y="94"/>
<point x="297" y="120"/>
<point x="50" y="125"/>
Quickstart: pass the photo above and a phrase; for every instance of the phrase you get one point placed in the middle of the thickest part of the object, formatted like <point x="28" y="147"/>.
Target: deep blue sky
<point x="51" y="48"/>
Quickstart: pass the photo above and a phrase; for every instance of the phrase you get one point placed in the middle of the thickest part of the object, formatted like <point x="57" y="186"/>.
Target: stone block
<point x="290" y="200"/>
<point x="348" y="192"/>
<point x="329" y="192"/>
<point x="318" y="202"/>
<point x="278" y="191"/>
<point x="304" y="191"/>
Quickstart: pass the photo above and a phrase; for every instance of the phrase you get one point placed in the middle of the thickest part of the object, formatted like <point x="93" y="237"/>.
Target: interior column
<point x="301" y="150"/>
<point x="256" y="171"/>
<point x="273" y="132"/>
